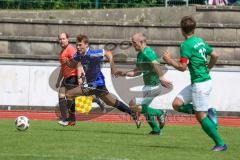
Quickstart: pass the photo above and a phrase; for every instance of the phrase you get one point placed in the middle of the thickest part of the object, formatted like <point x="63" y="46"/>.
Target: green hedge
<point x="77" y="4"/>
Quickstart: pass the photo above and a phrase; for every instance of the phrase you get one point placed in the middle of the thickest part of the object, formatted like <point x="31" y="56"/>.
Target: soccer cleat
<point x="71" y="120"/>
<point x="138" y="123"/>
<point x="212" y="115"/>
<point x="154" y="133"/>
<point x="162" y="119"/>
<point x="63" y="123"/>
<point x="219" y="148"/>
<point x="136" y="119"/>
<point x="71" y="123"/>
<point x="102" y="107"/>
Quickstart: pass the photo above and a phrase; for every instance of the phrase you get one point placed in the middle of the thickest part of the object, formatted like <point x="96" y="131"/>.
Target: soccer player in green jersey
<point x="195" y="97"/>
<point x="148" y="65"/>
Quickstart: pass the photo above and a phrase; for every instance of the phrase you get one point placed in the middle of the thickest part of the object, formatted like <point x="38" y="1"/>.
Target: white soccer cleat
<point x="63" y="123"/>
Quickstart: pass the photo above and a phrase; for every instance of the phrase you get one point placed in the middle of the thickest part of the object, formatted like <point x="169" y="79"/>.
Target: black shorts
<point x="70" y="82"/>
<point x="98" y="91"/>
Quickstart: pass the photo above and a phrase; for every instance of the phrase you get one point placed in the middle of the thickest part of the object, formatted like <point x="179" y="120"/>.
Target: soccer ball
<point x="22" y="123"/>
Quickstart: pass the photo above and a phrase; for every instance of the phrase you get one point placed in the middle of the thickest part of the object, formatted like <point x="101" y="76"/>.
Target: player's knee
<point x="61" y="95"/>
<point x="132" y="103"/>
<point x="136" y="108"/>
<point x="176" y="104"/>
<point x="200" y="116"/>
<point x="133" y="106"/>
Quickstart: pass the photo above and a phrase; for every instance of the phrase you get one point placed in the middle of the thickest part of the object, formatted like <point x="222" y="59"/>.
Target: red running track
<point x="113" y="117"/>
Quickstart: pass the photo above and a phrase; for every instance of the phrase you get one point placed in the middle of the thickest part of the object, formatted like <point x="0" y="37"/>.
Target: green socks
<point x="150" y="114"/>
<point x="210" y="128"/>
<point x="186" y="108"/>
<point x="153" y="124"/>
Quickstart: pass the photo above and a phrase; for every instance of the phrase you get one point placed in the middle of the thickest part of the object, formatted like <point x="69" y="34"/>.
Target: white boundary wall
<point x="28" y="84"/>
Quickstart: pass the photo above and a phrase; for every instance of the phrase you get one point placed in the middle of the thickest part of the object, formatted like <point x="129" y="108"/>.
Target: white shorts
<point x="149" y="93"/>
<point x="198" y="94"/>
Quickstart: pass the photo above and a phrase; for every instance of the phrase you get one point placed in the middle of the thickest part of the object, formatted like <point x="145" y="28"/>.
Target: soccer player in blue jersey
<point x="90" y="61"/>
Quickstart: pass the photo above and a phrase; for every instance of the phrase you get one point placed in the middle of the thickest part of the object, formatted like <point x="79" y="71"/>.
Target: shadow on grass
<point x="160" y="146"/>
<point x="100" y="131"/>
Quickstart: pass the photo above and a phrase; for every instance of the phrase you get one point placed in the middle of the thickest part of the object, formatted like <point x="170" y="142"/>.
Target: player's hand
<point x="208" y="69"/>
<point x="65" y="60"/>
<point x="167" y="57"/>
<point x="80" y="81"/>
<point x="116" y="73"/>
<point x="120" y="73"/>
<point x="113" y="71"/>
<point x="165" y="83"/>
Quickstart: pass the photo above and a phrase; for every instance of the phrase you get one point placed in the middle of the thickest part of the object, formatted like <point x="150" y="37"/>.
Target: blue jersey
<point x="91" y="65"/>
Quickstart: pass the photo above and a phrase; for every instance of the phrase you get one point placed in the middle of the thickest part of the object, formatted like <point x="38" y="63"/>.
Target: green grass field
<point x="108" y="141"/>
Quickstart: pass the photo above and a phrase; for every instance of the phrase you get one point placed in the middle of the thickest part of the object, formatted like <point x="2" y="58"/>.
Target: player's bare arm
<point x="109" y="56"/>
<point x="129" y="73"/>
<point x="71" y="63"/>
<point x="176" y="64"/>
<point x="164" y="82"/>
<point x="214" y="57"/>
<point x="133" y="73"/>
<point x="80" y="73"/>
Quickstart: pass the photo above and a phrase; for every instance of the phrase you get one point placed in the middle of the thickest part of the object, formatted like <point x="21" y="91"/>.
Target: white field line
<point x="55" y="156"/>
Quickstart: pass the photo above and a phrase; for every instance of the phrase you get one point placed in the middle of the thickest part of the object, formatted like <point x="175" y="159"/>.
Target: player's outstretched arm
<point x="129" y="73"/>
<point x="133" y="73"/>
<point x="116" y="72"/>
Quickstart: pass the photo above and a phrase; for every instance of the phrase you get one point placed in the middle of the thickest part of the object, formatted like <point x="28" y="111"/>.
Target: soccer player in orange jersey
<point x="67" y="79"/>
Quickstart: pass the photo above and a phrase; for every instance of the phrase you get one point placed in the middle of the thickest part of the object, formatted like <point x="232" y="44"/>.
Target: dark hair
<point x="188" y="24"/>
<point x="63" y="33"/>
<point x="83" y="38"/>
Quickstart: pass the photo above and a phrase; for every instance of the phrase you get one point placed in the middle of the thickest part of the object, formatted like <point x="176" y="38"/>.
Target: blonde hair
<point x="139" y="37"/>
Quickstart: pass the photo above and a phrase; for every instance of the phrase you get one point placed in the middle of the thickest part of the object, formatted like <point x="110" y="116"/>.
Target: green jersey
<point x="194" y="51"/>
<point x="144" y="63"/>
